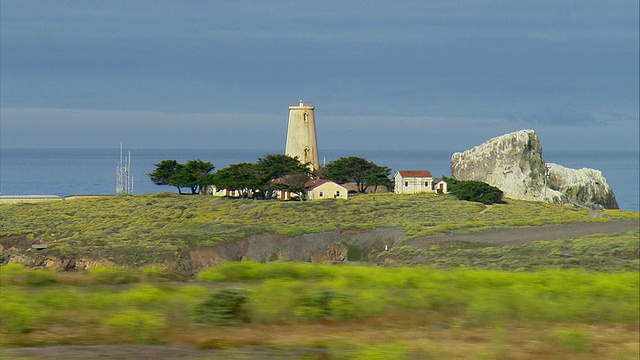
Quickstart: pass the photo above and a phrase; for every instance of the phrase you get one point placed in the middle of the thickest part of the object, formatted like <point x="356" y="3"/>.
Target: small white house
<point x="417" y="181"/>
<point x="325" y="189"/>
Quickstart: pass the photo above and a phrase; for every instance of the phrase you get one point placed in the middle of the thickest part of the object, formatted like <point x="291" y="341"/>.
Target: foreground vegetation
<point x="563" y="309"/>
<point x="330" y="311"/>
<point x="139" y="230"/>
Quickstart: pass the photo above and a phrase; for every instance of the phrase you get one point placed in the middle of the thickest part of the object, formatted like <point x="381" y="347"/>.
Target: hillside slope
<point x="182" y="231"/>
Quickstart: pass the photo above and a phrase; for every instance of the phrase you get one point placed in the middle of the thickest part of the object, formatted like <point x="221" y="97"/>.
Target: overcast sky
<point x="384" y="75"/>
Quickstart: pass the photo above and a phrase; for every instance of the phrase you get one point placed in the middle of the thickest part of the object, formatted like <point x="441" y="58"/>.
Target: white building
<point x="325" y="189"/>
<point x="417" y="181"/>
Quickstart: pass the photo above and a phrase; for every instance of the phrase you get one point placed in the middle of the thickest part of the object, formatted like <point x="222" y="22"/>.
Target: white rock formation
<point x="585" y="187"/>
<point x="514" y="164"/>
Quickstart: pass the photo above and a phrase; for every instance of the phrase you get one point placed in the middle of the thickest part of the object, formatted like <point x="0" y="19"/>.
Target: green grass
<point x="484" y="296"/>
<point x="349" y="311"/>
<point x="616" y="252"/>
<point x="139" y="230"/>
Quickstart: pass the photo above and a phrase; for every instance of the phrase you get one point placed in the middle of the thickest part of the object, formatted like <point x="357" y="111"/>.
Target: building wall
<point x="301" y="134"/>
<point x="412" y="185"/>
<point x="441" y="187"/>
<point x="328" y="191"/>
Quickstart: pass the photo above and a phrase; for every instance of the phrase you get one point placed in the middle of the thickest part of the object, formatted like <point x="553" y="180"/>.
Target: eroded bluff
<point x="514" y="164"/>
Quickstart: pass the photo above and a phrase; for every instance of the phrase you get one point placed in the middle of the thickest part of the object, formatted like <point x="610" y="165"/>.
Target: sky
<point x="442" y="75"/>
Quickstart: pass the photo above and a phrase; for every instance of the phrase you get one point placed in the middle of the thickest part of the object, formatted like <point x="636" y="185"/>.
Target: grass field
<point x="331" y="311"/>
<point x="568" y="298"/>
<point x="139" y="230"/>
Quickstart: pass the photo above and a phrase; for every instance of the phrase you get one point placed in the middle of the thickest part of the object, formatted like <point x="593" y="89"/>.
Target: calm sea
<point x="67" y="172"/>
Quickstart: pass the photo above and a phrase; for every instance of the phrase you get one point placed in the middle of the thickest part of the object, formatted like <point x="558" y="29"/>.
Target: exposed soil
<point x="333" y="246"/>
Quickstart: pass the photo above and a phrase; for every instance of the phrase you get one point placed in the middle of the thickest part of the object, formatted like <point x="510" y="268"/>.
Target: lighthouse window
<point x="306" y="117"/>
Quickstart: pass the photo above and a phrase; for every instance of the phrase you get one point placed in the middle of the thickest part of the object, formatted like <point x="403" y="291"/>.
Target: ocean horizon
<point x="75" y="171"/>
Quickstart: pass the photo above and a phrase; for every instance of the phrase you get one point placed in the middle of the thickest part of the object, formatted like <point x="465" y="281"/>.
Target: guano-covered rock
<point x="514" y="163"/>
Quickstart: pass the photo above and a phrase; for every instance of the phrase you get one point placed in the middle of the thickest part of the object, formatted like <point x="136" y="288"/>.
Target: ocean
<point x="65" y="172"/>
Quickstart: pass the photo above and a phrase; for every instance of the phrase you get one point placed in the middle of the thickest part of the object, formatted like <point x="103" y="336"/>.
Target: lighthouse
<point x="301" y="134"/>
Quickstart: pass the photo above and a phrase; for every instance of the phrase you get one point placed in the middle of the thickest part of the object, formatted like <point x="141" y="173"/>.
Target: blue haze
<point x="67" y="172"/>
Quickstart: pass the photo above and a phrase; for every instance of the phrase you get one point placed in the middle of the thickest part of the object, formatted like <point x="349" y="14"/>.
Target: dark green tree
<point x="379" y="177"/>
<point x="472" y="190"/>
<point x="195" y="174"/>
<point x="282" y="172"/>
<point x="242" y="177"/>
<point x="262" y="179"/>
<point x="278" y="165"/>
<point x="355" y="169"/>
<point x="293" y="183"/>
<point x="164" y="172"/>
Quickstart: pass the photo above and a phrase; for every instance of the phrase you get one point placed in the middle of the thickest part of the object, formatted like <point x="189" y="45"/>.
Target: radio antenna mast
<point x="123" y="174"/>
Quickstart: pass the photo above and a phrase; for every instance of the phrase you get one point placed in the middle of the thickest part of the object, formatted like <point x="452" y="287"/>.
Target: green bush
<point x="224" y="307"/>
<point x="16" y="274"/>
<point x="354" y="253"/>
<point x="253" y="271"/>
<point x="472" y="190"/>
<point x="17" y="317"/>
<point x="574" y="339"/>
<point x="114" y="275"/>
<point x="325" y="304"/>
<point x="141" y="325"/>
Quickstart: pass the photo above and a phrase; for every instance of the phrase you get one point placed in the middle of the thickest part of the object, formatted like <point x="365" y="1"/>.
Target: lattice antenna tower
<point x="124" y="181"/>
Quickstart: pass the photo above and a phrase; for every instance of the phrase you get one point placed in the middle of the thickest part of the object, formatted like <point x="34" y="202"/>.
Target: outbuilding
<point x="325" y="189"/>
<point x="417" y="181"/>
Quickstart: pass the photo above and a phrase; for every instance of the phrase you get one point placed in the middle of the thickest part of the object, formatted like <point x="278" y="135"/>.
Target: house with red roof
<point x="417" y="181"/>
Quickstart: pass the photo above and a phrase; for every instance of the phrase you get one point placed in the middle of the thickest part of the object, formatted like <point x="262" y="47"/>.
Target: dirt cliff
<point x="333" y="246"/>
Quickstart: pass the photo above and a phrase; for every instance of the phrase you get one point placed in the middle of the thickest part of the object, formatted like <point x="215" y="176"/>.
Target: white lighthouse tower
<point x="301" y="134"/>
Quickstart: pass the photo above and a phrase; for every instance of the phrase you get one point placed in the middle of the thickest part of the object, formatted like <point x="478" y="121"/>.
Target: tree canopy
<point x="262" y="179"/>
<point x="195" y="174"/>
<point x="241" y="177"/>
<point x="163" y="173"/>
<point x="270" y="174"/>
<point x="355" y="169"/>
<point x="472" y="190"/>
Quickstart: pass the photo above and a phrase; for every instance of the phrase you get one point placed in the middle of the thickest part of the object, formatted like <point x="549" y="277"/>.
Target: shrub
<point x="224" y="307"/>
<point x="17" y="317"/>
<point x="16" y="274"/>
<point x="574" y="339"/>
<point x="477" y="191"/>
<point x="160" y="273"/>
<point x="325" y="304"/>
<point x="141" y="325"/>
<point x="232" y="271"/>
<point x="354" y="253"/>
<point x="114" y="275"/>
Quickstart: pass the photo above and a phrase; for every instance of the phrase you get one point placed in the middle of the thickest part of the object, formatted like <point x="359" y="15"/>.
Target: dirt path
<point x="525" y="235"/>
<point x="153" y="352"/>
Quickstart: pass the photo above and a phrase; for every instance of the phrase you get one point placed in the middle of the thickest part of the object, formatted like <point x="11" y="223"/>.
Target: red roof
<point x="313" y="183"/>
<point x="415" y="173"/>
